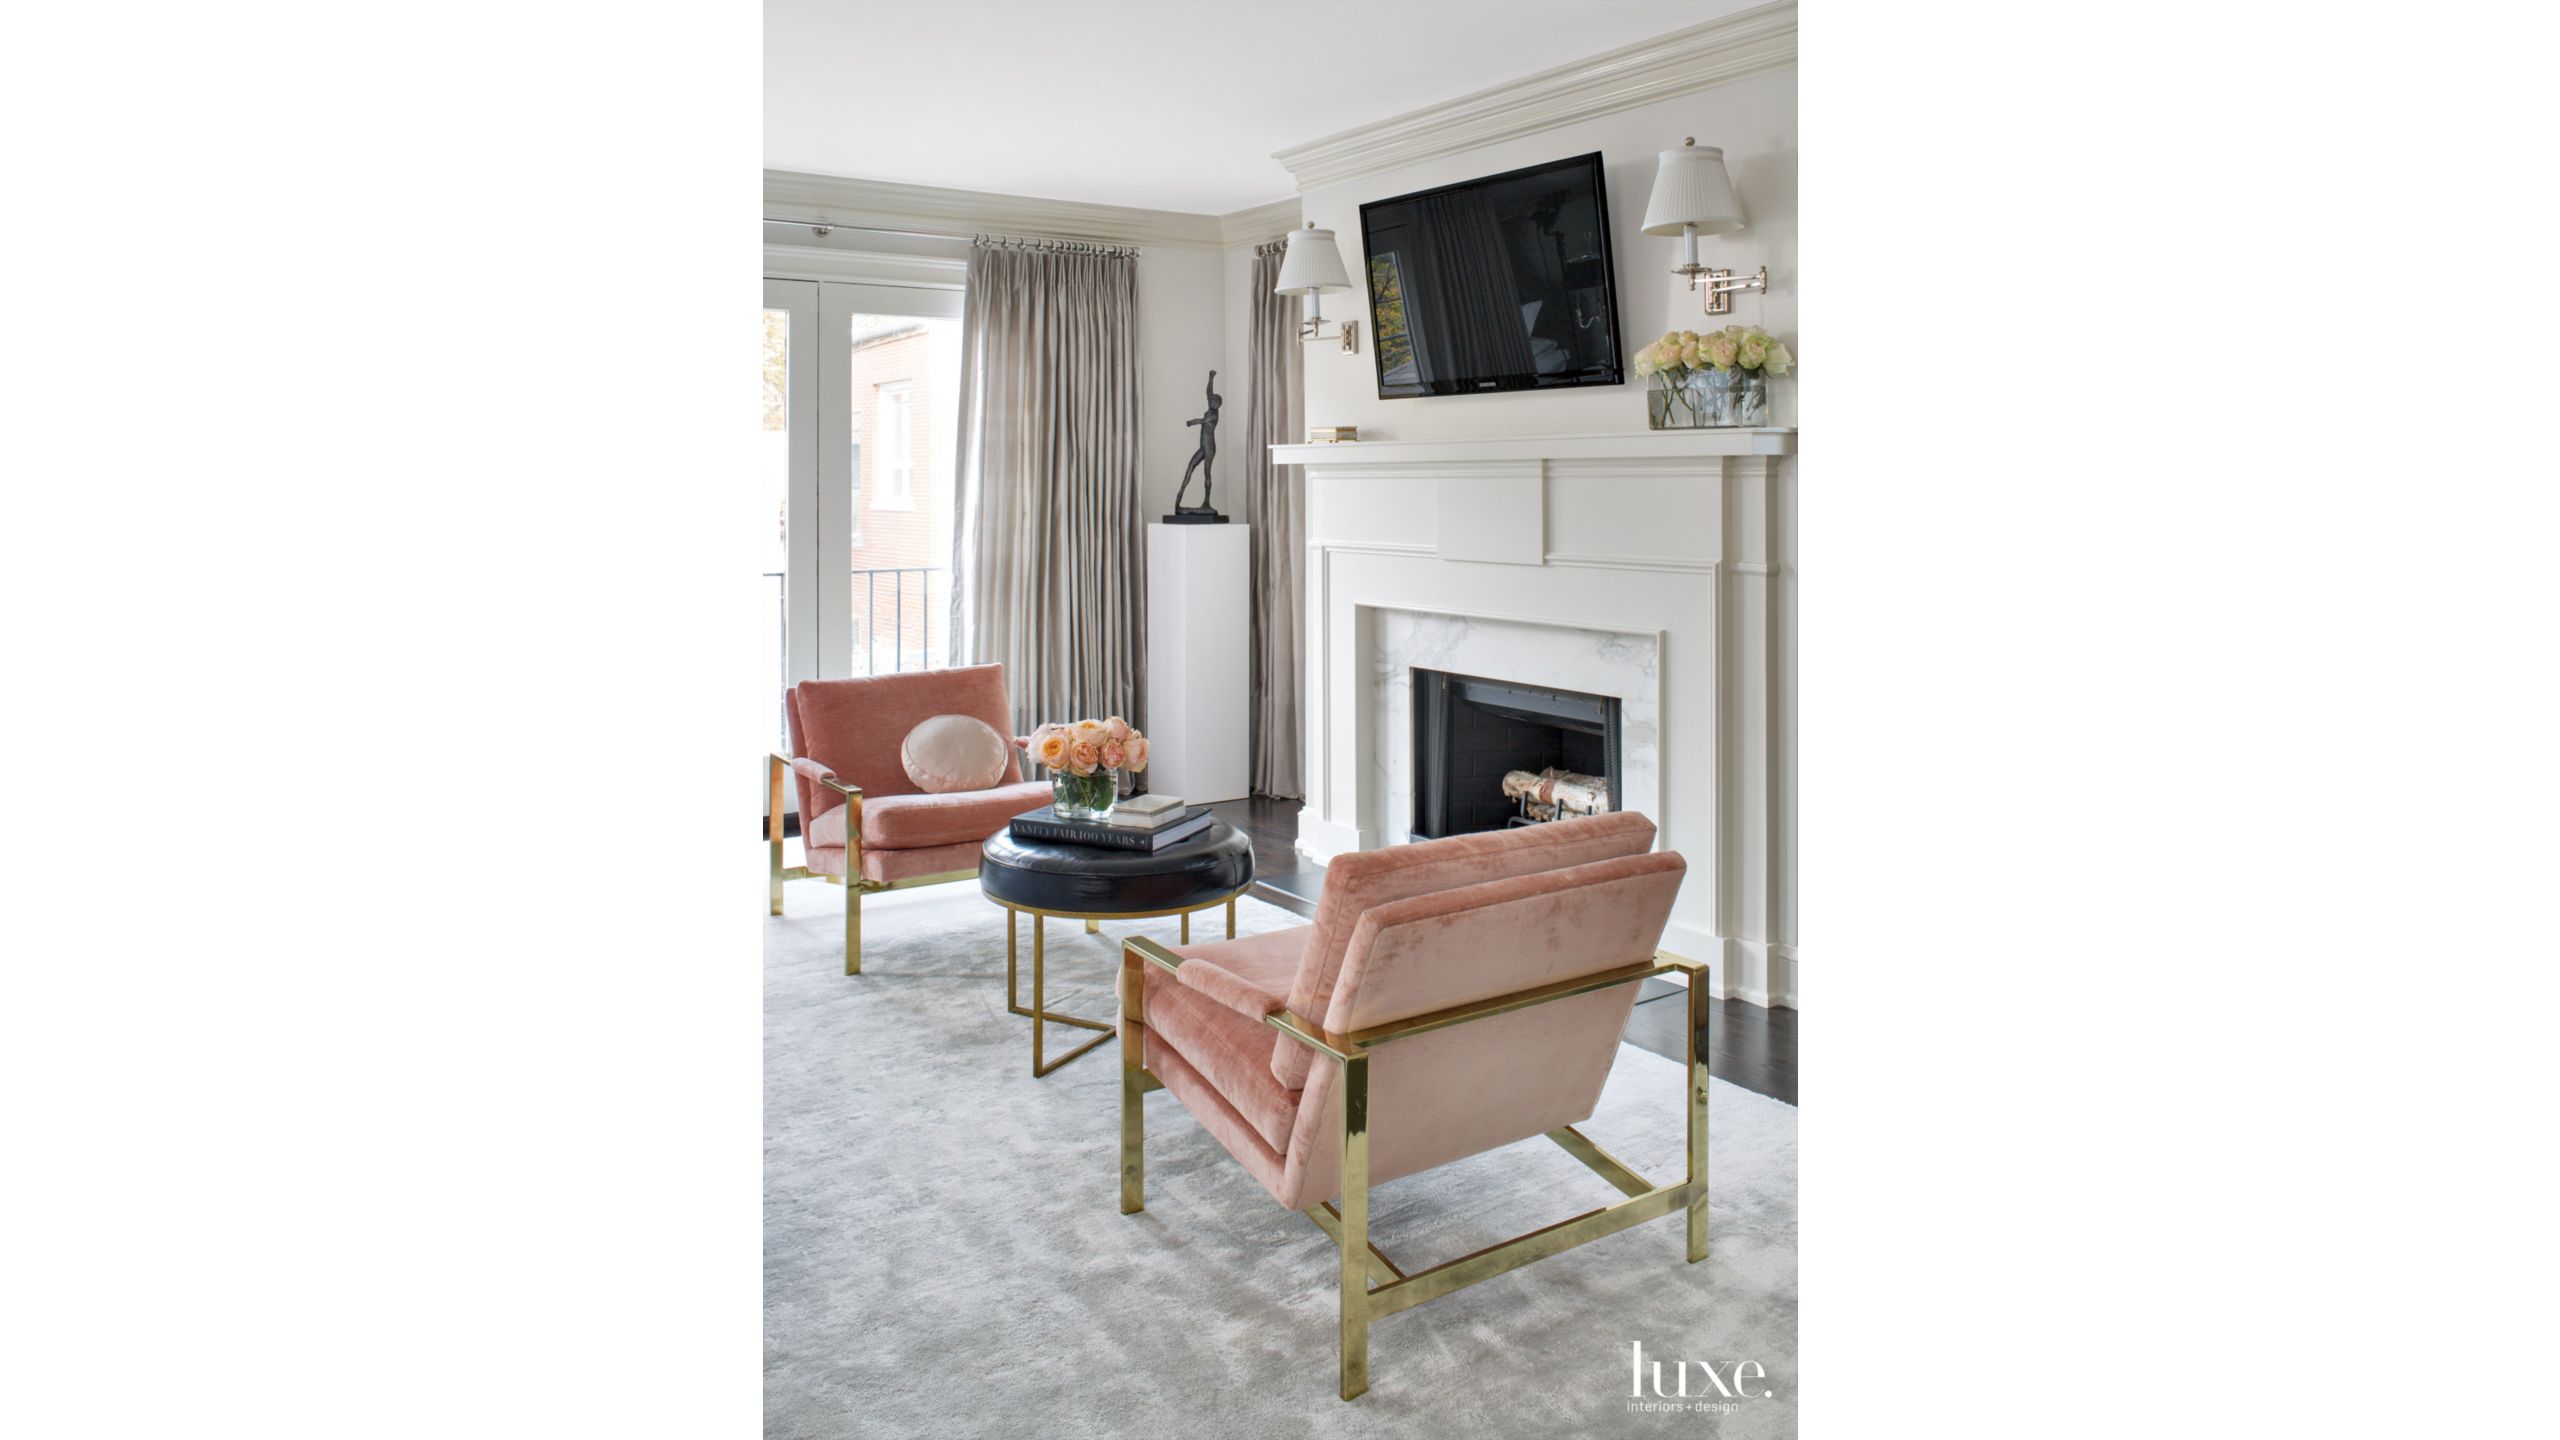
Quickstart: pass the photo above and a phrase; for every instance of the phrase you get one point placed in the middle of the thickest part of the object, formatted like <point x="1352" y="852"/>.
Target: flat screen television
<point x="1503" y="283"/>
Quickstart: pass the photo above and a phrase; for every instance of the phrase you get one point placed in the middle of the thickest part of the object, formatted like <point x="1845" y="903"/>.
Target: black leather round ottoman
<point x="1091" y="883"/>
<point x="1086" y="881"/>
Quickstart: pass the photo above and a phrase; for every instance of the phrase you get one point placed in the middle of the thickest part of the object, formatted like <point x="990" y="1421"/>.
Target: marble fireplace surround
<point x="1657" y="567"/>
<point x="1494" y="647"/>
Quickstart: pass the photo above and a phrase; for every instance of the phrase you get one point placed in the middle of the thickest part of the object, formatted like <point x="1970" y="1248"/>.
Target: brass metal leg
<point x="1355" y="1226"/>
<point x="1698" y="1013"/>
<point x="1133" y="1090"/>
<point x="1231" y="917"/>
<point x="1186" y="927"/>
<point x="1093" y="927"/>
<point x="1012" y="944"/>
<point x="773" y="829"/>
<point x="1039" y="986"/>
<point x="852" y="926"/>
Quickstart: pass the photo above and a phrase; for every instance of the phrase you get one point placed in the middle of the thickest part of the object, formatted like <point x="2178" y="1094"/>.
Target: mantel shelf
<point x="1631" y="445"/>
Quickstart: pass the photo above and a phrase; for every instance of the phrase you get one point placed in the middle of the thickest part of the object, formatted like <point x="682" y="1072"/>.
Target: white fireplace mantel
<point x="1639" y="445"/>
<point x="1657" y="565"/>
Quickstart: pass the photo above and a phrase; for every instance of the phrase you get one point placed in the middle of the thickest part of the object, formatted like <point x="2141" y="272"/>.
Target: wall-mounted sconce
<point x="1693" y="196"/>
<point x="1311" y="266"/>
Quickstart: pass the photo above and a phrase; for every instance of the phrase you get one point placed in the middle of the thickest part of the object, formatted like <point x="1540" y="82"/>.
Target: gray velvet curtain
<point x="1275" y="506"/>
<point x="1047" y="563"/>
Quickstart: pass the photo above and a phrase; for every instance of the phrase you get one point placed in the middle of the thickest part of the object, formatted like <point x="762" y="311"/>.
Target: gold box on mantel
<point x="1332" y="434"/>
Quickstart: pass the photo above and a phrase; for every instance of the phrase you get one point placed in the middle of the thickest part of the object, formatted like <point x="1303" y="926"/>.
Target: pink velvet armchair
<point x="1451" y="997"/>
<point x="864" y="824"/>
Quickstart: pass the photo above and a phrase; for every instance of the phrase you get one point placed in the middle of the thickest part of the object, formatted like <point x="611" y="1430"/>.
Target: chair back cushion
<point x="1356" y="883"/>
<point x="1448" y="1094"/>
<point x="857" y="727"/>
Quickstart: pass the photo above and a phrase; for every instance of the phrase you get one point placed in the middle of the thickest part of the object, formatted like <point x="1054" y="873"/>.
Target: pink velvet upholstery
<point x="1210" y="1011"/>
<point x="1227" y="1050"/>
<point x="914" y="822"/>
<point x="888" y="865"/>
<point x="855" y="728"/>
<point x="1356" y="883"/>
<point x="1213" y="1112"/>
<point x="1249" y="976"/>
<point x="1512" y="911"/>
<point x="1452" y="1093"/>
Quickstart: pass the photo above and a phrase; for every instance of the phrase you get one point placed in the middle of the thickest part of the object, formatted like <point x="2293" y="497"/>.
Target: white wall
<point x="1754" y="119"/>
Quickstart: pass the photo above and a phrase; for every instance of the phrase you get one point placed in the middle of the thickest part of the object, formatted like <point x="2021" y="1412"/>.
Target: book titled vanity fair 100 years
<point x="1137" y="832"/>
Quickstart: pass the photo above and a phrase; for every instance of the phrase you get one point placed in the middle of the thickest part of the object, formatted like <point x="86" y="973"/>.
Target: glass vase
<point x="1706" y="398"/>
<point x="1671" y="402"/>
<point x="1084" y="797"/>
<point x="1750" y="399"/>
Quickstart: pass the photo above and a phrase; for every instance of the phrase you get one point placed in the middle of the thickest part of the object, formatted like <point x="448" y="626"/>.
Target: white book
<point x="1124" y="817"/>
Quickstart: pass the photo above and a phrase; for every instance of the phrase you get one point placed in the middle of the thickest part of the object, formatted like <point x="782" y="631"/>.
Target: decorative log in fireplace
<point x="1470" y="734"/>
<point x="1552" y="794"/>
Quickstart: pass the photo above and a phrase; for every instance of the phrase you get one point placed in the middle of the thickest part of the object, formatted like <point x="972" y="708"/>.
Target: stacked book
<point x="1145" y="823"/>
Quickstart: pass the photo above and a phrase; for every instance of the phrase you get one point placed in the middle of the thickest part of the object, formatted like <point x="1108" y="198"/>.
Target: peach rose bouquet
<point x="1084" y="758"/>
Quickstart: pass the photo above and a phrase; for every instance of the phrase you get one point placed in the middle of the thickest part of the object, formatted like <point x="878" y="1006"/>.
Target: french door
<point x="861" y="385"/>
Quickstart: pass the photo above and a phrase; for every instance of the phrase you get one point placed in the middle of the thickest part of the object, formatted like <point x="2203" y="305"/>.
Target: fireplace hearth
<point x="1470" y="731"/>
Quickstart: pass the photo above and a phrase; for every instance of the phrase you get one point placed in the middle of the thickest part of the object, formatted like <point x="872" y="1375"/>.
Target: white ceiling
<point x="1166" y="104"/>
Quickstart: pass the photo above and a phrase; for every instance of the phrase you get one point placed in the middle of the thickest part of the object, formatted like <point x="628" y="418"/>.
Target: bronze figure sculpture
<point x="1204" y="460"/>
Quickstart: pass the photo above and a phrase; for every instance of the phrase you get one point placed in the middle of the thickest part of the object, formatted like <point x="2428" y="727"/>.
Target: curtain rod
<point x="1079" y="247"/>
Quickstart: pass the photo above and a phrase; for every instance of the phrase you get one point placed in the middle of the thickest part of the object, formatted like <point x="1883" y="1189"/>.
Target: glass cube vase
<point x="1084" y="797"/>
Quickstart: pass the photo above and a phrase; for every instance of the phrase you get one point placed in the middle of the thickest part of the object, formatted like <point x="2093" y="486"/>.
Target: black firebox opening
<point x="1468" y="732"/>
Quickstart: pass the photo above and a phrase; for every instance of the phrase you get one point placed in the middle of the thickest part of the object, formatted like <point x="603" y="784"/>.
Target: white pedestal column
<point x="1199" y="660"/>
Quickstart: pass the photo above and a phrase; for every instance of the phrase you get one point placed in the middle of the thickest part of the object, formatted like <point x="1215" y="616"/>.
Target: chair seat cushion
<point x="884" y="866"/>
<point x="1249" y="976"/>
<point x="917" y="822"/>
<point x="1229" y="1050"/>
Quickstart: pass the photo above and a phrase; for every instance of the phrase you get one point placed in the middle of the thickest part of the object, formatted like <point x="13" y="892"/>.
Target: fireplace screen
<point x="1493" y="753"/>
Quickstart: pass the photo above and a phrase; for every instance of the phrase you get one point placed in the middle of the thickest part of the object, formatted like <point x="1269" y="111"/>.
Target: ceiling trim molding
<point x="1262" y="222"/>
<point x="864" y="267"/>
<point x="1747" y="42"/>
<point x="886" y="204"/>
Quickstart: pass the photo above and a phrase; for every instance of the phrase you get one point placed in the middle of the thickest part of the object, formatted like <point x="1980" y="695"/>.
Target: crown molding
<point x="1744" y="43"/>
<point x="1262" y="222"/>
<point x="886" y="204"/>
<point x="864" y="267"/>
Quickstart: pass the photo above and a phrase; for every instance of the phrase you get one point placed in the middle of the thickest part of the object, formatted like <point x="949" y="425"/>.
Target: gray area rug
<point x="945" y="1256"/>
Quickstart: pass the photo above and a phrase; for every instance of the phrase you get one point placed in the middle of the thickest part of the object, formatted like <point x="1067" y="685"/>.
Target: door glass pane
<point x="905" y="380"/>
<point x="777" y="501"/>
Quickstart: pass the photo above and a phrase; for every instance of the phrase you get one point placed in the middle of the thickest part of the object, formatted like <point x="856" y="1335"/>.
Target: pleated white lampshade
<point x="1690" y="187"/>
<point x="1312" y="264"/>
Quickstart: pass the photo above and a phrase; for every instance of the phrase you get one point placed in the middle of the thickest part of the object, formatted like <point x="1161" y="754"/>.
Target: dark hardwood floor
<point x="1748" y="1045"/>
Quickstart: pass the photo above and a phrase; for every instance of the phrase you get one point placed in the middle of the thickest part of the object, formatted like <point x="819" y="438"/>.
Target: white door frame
<point x="799" y="299"/>
<point x="838" y="302"/>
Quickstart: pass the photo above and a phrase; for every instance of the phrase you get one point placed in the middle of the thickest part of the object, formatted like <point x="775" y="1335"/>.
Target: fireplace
<point x="1469" y="732"/>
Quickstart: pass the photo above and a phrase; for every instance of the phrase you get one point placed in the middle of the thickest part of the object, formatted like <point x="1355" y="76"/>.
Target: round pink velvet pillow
<point x="953" y="752"/>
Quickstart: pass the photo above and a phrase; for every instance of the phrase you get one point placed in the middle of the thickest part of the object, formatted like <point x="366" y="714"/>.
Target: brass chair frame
<point x="777" y="769"/>
<point x="1348" y="1225"/>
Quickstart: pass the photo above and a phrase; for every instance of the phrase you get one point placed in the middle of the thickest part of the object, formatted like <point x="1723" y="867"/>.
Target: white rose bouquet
<point x="1716" y="378"/>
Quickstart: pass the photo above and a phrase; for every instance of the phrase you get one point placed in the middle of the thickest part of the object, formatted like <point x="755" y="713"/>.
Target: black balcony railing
<point x="883" y="599"/>
<point x="868" y="585"/>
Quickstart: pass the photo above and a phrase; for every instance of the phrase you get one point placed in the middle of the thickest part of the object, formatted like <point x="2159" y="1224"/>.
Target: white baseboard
<point x="1320" y="839"/>
<point x="1764" y="972"/>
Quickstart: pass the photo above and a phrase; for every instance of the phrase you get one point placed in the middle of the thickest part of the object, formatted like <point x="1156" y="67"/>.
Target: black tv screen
<point x="1503" y="283"/>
